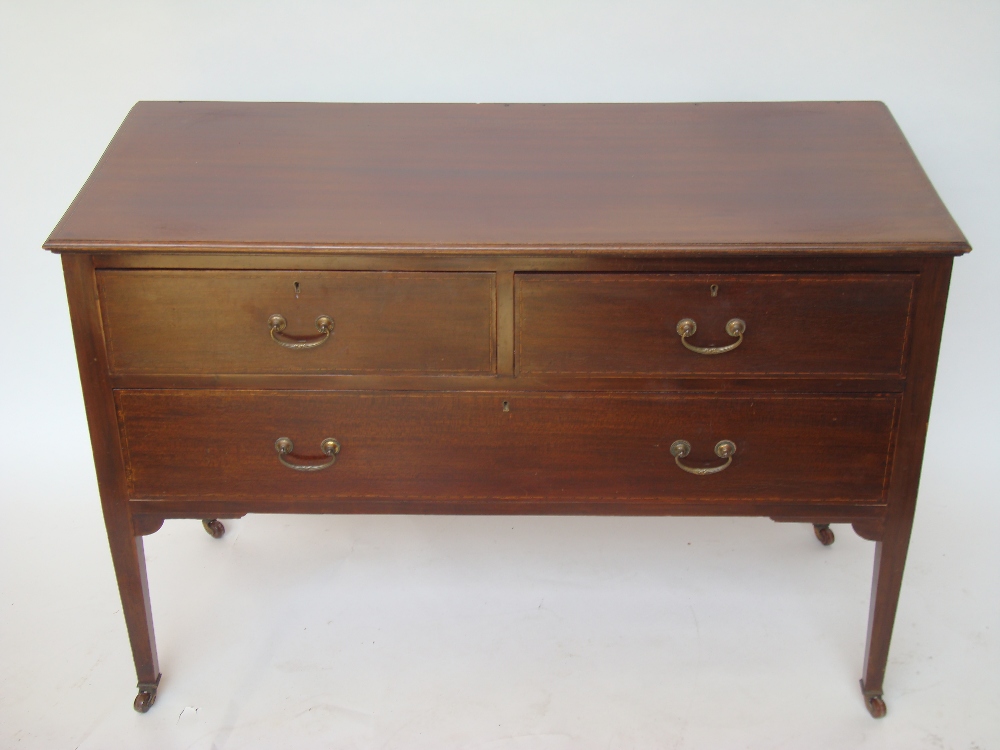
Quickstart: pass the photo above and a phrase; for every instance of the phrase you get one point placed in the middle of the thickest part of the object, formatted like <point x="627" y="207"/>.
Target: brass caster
<point x="147" y="696"/>
<point x="824" y="533"/>
<point x="143" y="701"/>
<point x="876" y="706"/>
<point x="214" y="528"/>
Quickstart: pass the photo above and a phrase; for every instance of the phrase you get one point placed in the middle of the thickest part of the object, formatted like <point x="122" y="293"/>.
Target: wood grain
<point x="193" y="322"/>
<point x="625" y="324"/>
<point x="890" y="551"/>
<point x="505" y="282"/>
<point x="228" y="175"/>
<point x="547" y="448"/>
<point x="125" y="543"/>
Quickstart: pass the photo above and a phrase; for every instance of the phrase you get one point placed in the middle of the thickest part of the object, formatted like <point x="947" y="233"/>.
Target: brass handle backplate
<point x="330" y="447"/>
<point x="723" y="449"/>
<point x="735" y="328"/>
<point x="277" y="323"/>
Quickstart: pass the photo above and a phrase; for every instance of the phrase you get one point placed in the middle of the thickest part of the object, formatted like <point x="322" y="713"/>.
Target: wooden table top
<point x="755" y="177"/>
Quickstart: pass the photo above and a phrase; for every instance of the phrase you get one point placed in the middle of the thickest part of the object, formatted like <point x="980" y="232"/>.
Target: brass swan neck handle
<point x="723" y="449"/>
<point x="735" y="328"/>
<point x="329" y="446"/>
<point x="277" y="324"/>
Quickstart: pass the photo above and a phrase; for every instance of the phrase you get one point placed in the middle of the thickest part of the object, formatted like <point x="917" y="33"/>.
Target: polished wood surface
<point x="227" y="175"/>
<point x="216" y="322"/>
<point x="127" y="552"/>
<point x="505" y="285"/>
<point x="625" y="324"/>
<point x="891" y="547"/>
<point x="541" y="447"/>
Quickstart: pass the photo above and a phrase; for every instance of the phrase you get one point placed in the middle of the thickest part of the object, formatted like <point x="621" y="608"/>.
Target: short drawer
<point x="222" y="322"/>
<point x="795" y="325"/>
<point x="544" y="448"/>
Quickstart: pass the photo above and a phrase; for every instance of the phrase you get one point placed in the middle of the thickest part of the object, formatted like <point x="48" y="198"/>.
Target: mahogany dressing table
<point x="648" y="309"/>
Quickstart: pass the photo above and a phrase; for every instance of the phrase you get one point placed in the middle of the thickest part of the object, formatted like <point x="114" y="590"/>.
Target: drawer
<point x="795" y="325"/>
<point x="217" y="322"/>
<point x="464" y="446"/>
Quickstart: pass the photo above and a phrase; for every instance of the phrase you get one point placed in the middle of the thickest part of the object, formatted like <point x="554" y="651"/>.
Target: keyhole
<point x="714" y="290"/>
<point x="506" y="406"/>
<point x="297" y="290"/>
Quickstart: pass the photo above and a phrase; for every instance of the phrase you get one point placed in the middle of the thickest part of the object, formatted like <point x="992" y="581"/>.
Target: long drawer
<point x="793" y="325"/>
<point x="201" y="444"/>
<point x="270" y="322"/>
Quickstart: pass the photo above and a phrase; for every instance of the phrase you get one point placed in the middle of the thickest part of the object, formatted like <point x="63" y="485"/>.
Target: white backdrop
<point x="485" y="632"/>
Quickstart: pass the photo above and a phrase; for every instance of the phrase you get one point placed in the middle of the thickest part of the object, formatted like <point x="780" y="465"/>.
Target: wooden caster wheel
<point x="876" y="706"/>
<point x="214" y="528"/>
<point x="144" y="700"/>
<point x="824" y="533"/>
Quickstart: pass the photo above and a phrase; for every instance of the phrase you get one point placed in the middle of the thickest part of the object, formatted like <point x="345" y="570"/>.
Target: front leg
<point x="130" y="569"/>
<point x="893" y="537"/>
<point x="890" y="557"/>
<point x="124" y="537"/>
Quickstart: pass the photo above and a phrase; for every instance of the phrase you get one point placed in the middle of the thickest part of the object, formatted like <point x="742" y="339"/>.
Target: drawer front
<point x="626" y="324"/>
<point x="217" y="322"/>
<point x="464" y="446"/>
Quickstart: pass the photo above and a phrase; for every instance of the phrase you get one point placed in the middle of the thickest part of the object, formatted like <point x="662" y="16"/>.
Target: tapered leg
<point x="893" y="539"/>
<point x="890" y="557"/>
<point x="130" y="569"/>
<point x="124" y="538"/>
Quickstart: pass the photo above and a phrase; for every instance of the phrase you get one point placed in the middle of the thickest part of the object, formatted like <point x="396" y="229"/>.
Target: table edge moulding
<point x="568" y="309"/>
